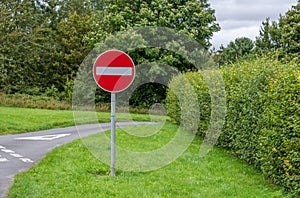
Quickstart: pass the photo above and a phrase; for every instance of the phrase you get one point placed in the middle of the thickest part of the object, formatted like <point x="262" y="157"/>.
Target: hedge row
<point x="262" y="124"/>
<point x="188" y="99"/>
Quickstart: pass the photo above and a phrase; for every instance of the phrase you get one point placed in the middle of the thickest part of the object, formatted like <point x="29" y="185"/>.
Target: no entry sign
<point x="114" y="71"/>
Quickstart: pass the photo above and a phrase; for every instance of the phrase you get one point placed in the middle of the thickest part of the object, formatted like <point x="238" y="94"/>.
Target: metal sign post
<point x="113" y="134"/>
<point x="113" y="71"/>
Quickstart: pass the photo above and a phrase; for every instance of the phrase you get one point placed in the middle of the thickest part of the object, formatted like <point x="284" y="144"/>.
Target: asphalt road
<point x="21" y="151"/>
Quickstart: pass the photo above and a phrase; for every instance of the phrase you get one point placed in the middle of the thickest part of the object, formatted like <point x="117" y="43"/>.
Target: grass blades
<point x="72" y="171"/>
<point x="18" y="120"/>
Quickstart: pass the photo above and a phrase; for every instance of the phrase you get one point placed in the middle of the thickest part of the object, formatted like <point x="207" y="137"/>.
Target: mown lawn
<point x="18" y="120"/>
<point x="72" y="171"/>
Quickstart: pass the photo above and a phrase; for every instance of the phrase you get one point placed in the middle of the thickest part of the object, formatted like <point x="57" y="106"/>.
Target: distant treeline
<point x="43" y="42"/>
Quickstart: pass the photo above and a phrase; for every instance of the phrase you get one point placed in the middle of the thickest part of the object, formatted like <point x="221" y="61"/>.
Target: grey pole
<point x="113" y="134"/>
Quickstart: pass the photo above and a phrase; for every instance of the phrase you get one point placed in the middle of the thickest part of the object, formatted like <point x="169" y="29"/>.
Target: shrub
<point x="280" y="132"/>
<point x="29" y="101"/>
<point x="188" y="99"/>
<point x="262" y="123"/>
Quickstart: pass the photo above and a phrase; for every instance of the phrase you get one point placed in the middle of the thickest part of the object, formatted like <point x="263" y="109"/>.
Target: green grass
<point x="72" y="171"/>
<point x="18" y="120"/>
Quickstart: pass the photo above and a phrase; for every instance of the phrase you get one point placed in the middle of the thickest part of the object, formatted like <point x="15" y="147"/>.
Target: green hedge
<point x="262" y="123"/>
<point x="280" y="133"/>
<point x="188" y="99"/>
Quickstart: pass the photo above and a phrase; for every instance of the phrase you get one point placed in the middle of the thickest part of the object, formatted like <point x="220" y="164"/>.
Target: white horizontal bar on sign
<point x="114" y="71"/>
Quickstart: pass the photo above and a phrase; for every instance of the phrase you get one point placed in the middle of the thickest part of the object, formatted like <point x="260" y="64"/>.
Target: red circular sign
<point x="114" y="71"/>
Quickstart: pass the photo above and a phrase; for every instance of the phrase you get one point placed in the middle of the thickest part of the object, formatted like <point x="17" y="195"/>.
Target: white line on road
<point x="13" y="154"/>
<point x="44" y="137"/>
<point x="7" y="151"/>
<point x="3" y="160"/>
<point x="16" y="155"/>
<point x="26" y="160"/>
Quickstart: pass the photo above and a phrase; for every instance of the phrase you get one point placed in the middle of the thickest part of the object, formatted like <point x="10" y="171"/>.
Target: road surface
<point x="21" y="151"/>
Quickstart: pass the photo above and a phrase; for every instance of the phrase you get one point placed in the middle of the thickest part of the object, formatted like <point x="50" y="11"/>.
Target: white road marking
<point x="26" y="160"/>
<point x="3" y="160"/>
<point x="7" y="151"/>
<point x="44" y="137"/>
<point x="16" y="155"/>
<point x="13" y="154"/>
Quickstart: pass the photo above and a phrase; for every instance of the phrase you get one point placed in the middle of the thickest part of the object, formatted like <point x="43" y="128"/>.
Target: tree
<point x="44" y="41"/>
<point x="237" y="49"/>
<point x="282" y="36"/>
<point x="34" y="36"/>
<point x="290" y="30"/>
<point x="70" y="49"/>
<point x="269" y="37"/>
<point x="194" y="18"/>
<point x="22" y="33"/>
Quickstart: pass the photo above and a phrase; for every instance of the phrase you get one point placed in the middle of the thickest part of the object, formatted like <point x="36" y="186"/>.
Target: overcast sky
<point x="243" y="18"/>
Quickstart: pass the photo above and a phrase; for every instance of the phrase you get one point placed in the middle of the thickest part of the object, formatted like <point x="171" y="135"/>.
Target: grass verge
<point x="18" y="120"/>
<point x="47" y="102"/>
<point x="72" y="171"/>
<point x="28" y="101"/>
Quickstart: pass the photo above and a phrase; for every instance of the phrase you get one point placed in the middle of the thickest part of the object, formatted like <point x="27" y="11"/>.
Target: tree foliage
<point x="237" y="49"/>
<point x="282" y="36"/>
<point x="44" y="41"/>
<point x="70" y="49"/>
<point x="269" y="39"/>
<point x="193" y="18"/>
<point x="22" y="36"/>
<point x="31" y="34"/>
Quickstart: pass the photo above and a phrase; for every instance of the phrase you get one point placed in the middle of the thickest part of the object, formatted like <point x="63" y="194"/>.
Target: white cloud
<point x="225" y="36"/>
<point x="243" y="18"/>
<point x="233" y="24"/>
